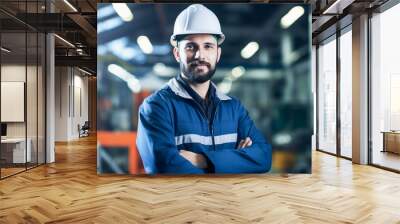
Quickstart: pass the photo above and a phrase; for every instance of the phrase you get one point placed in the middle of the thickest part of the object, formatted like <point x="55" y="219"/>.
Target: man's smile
<point x="202" y="67"/>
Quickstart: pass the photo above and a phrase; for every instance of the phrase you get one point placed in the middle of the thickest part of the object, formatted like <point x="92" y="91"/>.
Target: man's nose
<point x="199" y="54"/>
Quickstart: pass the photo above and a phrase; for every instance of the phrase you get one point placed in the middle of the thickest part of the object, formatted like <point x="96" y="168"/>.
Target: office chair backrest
<point x="86" y="125"/>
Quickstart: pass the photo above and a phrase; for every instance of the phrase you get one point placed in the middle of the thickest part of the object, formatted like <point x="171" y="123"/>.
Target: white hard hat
<point x="197" y="19"/>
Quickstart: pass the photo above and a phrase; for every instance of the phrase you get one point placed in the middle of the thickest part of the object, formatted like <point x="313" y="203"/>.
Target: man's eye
<point x="209" y="47"/>
<point x="189" y="47"/>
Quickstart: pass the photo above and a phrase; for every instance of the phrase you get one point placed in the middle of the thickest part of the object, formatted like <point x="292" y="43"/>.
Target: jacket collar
<point x="180" y="91"/>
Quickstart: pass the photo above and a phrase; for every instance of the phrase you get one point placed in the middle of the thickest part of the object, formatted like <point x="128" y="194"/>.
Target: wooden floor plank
<point x="70" y="191"/>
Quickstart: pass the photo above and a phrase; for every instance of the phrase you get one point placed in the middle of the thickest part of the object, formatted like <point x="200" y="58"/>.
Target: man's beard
<point x="192" y="76"/>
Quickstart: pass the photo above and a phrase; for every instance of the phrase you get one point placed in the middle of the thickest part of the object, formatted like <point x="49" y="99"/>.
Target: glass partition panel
<point x="14" y="153"/>
<point x="385" y="85"/>
<point x="22" y="87"/>
<point x="41" y="98"/>
<point x="346" y="94"/>
<point x="31" y="98"/>
<point x="327" y="96"/>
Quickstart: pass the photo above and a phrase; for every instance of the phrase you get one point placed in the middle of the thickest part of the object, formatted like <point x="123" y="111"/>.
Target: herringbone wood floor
<point x="70" y="191"/>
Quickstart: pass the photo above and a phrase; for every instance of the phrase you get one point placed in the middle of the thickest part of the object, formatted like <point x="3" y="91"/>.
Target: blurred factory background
<point x="265" y="62"/>
<point x="56" y="44"/>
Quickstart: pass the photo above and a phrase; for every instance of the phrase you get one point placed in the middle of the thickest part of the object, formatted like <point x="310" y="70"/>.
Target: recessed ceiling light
<point x="70" y="5"/>
<point x="5" y="50"/>
<point x="64" y="40"/>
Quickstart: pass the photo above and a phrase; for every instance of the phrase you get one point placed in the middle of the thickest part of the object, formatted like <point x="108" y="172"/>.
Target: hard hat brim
<point x="174" y="38"/>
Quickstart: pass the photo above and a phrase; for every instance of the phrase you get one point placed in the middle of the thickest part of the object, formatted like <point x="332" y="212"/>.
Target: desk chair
<point x="84" y="130"/>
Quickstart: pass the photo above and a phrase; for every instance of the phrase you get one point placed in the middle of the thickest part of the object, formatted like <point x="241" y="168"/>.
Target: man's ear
<point x="219" y="49"/>
<point x="176" y="54"/>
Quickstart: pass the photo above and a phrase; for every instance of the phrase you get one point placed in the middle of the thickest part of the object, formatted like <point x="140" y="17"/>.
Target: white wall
<point x="33" y="126"/>
<point x="71" y="94"/>
<point x="61" y="103"/>
<point x="16" y="73"/>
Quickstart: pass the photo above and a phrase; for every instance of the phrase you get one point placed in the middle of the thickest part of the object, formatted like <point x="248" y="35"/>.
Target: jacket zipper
<point x="210" y="123"/>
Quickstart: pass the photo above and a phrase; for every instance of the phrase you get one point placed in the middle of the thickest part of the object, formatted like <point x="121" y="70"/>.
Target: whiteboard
<point x="12" y="101"/>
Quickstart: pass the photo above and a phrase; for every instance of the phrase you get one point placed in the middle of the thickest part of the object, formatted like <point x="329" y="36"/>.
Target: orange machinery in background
<point x="123" y="139"/>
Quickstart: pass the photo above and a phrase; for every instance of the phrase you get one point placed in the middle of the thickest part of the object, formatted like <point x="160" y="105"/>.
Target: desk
<point x="391" y="141"/>
<point x="16" y="147"/>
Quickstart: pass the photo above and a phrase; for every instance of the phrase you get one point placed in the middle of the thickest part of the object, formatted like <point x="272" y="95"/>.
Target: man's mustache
<point x="196" y="63"/>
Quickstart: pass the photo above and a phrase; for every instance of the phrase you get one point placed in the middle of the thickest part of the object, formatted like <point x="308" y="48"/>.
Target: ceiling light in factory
<point x="123" y="11"/>
<point x="291" y="17"/>
<point x="249" y="50"/>
<point x="145" y="44"/>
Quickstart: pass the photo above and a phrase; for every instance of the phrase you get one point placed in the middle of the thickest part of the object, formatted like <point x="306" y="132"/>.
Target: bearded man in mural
<point x="189" y="126"/>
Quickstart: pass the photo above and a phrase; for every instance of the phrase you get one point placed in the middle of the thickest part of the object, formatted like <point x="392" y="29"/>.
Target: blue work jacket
<point x="170" y="120"/>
